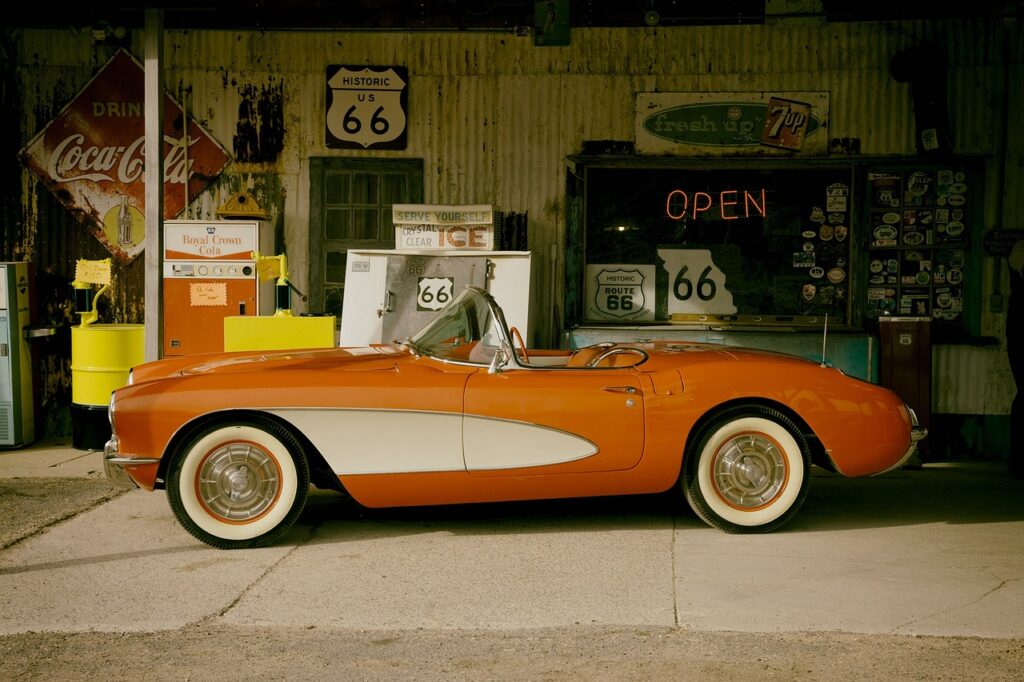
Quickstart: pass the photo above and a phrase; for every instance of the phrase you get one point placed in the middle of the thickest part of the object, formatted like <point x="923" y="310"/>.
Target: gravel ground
<point x="30" y="505"/>
<point x="216" y="652"/>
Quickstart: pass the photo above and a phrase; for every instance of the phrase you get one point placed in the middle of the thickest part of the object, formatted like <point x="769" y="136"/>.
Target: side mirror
<point x="501" y="356"/>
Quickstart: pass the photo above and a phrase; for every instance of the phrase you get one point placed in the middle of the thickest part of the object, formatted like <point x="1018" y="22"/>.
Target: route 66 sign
<point x="620" y="292"/>
<point x="366" y="107"/>
<point x="434" y="293"/>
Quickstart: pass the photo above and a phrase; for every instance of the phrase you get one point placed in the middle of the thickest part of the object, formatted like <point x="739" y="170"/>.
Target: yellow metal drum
<point x="101" y="355"/>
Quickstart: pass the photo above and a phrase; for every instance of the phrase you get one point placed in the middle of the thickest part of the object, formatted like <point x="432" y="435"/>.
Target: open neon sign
<point x="732" y="204"/>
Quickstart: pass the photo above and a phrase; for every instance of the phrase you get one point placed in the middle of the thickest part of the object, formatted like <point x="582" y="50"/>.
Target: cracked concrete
<point x="937" y="551"/>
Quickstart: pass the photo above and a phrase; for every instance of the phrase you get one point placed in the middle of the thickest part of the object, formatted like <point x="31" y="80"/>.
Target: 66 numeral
<point x="683" y="288"/>
<point x="442" y="296"/>
<point x="378" y="124"/>
<point x="619" y="302"/>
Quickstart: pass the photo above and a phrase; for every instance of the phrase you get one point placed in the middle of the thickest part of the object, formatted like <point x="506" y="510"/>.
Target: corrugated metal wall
<point x="494" y="117"/>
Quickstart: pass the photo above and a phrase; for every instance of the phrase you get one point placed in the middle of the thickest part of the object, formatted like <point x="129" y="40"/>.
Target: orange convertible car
<point x="464" y="412"/>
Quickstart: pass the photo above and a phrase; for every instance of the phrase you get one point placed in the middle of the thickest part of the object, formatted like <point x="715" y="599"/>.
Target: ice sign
<point x="366" y="107"/>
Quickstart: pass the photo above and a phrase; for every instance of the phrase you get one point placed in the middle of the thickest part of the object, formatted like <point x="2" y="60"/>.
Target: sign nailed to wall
<point x="422" y="226"/>
<point x="91" y="156"/>
<point x="786" y="123"/>
<point x="366" y="107"/>
<point x="732" y="123"/>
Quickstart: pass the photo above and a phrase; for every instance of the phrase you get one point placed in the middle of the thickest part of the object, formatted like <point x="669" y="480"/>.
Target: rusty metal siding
<point x="493" y="117"/>
<point x="970" y="380"/>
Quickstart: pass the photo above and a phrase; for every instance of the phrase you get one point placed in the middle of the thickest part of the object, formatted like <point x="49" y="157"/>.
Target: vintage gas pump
<point x="282" y="330"/>
<point x="208" y="275"/>
<point x="101" y="357"/>
<point x="276" y="268"/>
<point x="392" y="293"/>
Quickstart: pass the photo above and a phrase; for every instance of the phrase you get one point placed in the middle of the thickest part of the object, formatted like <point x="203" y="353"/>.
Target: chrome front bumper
<point x="113" y="464"/>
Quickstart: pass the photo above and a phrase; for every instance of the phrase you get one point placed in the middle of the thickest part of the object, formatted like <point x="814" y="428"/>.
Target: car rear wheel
<point x="747" y="471"/>
<point x="240" y="484"/>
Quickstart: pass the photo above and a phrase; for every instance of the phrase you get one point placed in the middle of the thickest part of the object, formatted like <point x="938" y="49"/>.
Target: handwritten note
<point x="93" y="271"/>
<point x="208" y="293"/>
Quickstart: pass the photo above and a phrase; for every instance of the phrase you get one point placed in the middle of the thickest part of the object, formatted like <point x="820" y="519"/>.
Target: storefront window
<point x="762" y="244"/>
<point x="733" y="245"/>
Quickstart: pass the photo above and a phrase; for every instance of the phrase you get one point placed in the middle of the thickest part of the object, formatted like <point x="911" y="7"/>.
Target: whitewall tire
<point x="747" y="470"/>
<point x="239" y="484"/>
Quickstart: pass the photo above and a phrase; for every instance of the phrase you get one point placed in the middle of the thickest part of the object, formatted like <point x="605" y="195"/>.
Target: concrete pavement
<point x="931" y="551"/>
<point x="51" y="458"/>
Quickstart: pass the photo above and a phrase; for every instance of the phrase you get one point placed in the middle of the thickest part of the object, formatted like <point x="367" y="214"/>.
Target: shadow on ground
<point x="953" y="493"/>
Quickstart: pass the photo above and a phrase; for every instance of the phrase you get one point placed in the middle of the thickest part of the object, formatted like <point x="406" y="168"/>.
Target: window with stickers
<point x="769" y="243"/>
<point x="752" y="245"/>
<point x="919" y="218"/>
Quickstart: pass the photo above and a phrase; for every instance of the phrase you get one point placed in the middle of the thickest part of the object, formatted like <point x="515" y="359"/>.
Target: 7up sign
<point x="366" y="107"/>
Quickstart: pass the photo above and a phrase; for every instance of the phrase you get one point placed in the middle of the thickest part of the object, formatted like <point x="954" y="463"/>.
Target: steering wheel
<point x="518" y="338"/>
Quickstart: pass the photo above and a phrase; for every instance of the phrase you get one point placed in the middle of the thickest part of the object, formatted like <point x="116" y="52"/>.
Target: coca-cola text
<point x="72" y="160"/>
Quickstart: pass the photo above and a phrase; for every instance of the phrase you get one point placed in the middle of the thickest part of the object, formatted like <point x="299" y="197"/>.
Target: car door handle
<point x="620" y="389"/>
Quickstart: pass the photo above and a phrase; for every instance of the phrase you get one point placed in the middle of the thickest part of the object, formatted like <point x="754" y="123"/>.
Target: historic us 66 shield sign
<point x="620" y="292"/>
<point x="366" y="107"/>
<point x="433" y="293"/>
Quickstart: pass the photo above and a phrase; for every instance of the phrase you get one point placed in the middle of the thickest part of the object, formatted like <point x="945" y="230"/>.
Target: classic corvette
<point x="463" y="412"/>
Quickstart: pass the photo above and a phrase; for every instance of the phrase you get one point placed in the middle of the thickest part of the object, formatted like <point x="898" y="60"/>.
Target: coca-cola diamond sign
<point x="91" y="156"/>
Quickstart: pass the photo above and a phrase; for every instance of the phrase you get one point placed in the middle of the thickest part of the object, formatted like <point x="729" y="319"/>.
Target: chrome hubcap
<point x="238" y="481"/>
<point x="749" y="471"/>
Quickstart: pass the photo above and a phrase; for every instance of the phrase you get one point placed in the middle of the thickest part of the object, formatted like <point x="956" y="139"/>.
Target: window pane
<point x="334" y="266"/>
<point x="336" y="188"/>
<point x="353" y="202"/>
<point x="364" y="188"/>
<point x="364" y="223"/>
<point x="336" y="224"/>
<point x="333" y="298"/>
<point x="393" y="188"/>
<point x="727" y="242"/>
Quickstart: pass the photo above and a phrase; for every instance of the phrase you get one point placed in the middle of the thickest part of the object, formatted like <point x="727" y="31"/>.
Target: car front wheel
<point x="747" y="471"/>
<point x="240" y="484"/>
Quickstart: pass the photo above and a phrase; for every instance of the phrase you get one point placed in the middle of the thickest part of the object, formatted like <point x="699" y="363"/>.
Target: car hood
<point x="366" y="358"/>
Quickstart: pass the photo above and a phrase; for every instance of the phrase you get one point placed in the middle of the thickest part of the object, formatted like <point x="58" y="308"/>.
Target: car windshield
<point x="464" y="331"/>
